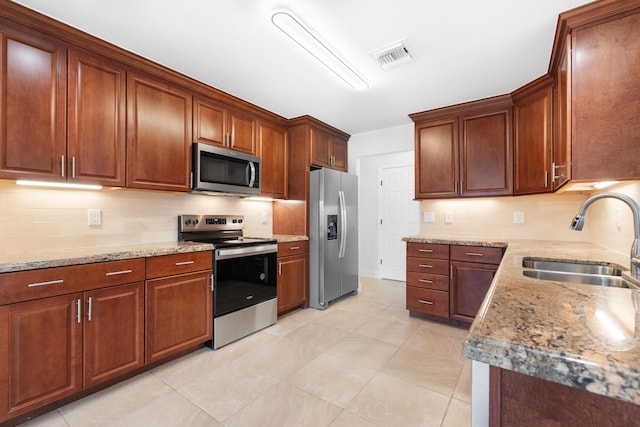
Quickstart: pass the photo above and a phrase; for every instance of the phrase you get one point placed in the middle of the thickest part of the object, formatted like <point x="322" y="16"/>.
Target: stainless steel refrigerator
<point x="333" y="236"/>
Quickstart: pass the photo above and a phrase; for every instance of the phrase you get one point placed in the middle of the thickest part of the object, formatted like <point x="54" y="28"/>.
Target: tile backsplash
<point x="33" y="218"/>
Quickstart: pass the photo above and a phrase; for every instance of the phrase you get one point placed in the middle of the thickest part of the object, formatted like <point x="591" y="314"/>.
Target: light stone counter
<point x="282" y="238"/>
<point x="582" y="336"/>
<point x="30" y="260"/>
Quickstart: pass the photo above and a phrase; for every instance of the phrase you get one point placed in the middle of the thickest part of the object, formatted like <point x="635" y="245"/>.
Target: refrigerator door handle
<point x="343" y="224"/>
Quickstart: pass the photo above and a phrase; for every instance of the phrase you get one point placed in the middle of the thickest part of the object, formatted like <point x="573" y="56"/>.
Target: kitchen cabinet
<point x="218" y="124"/>
<point x="96" y="152"/>
<point x="533" y="137"/>
<point x="521" y="400"/>
<point x="178" y="295"/>
<point x="472" y="271"/>
<point x="272" y="145"/>
<point x="32" y="112"/>
<point x="63" y="330"/>
<point x="465" y="150"/>
<point x="293" y="276"/>
<point x="328" y="150"/>
<point x="561" y="166"/>
<point x="428" y="279"/>
<point x="605" y="88"/>
<point x="158" y="134"/>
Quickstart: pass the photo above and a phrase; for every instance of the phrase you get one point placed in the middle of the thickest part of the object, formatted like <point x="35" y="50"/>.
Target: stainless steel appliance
<point x="333" y="237"/>
<point x="244" y="275"/>
<point x="225" y="171"/>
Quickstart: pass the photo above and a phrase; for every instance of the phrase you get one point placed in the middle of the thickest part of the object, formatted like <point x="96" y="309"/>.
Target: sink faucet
<point x="578" y="222"/>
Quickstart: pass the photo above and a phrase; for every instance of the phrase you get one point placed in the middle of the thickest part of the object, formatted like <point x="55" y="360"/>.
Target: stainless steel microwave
<point x="220" y="170"/>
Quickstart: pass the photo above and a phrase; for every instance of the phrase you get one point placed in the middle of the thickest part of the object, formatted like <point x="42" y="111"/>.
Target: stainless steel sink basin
<point x="574" y="272"/>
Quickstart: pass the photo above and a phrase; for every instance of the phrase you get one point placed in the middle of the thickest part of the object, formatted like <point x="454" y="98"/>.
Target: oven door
<point x="243" y="276"/>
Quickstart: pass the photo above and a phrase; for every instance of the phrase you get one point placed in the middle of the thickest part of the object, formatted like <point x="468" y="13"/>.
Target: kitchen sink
<point x="599" y="274"/>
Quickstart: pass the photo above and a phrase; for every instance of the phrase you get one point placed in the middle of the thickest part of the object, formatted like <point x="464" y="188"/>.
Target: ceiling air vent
<point x="393" y="55"/>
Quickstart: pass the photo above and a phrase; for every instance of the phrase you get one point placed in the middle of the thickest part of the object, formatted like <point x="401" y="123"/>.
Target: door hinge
<point x="380" y="183"/>
<point x="380" y="221"/>
<point x="380" y="261"/>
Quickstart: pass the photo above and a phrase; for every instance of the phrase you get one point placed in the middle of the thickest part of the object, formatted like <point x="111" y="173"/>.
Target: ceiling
<point x="462" y="49"/>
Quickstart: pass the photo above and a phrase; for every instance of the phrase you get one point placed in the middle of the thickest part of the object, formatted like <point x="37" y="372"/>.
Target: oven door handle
<point x="227" y="253"/>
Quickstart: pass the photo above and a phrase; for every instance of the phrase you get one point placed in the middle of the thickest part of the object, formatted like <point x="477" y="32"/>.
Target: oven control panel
<point x="210" y="222"/>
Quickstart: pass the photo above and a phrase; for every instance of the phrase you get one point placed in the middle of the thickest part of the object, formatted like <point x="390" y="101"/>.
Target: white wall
<point x="368" y="152"/>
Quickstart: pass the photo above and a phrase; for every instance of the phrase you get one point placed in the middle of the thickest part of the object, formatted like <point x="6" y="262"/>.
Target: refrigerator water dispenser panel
<point x="332" y="227"/>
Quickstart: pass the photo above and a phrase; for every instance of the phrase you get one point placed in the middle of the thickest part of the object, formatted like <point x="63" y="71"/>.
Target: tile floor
<point x="362" y="362"/>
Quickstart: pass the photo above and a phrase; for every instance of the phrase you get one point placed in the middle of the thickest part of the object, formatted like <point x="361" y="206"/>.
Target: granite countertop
<point x="487" y="242"/>
<point x="582" y="336"/>
<point x="282" y="238"/>
<point x="11" y="261"/>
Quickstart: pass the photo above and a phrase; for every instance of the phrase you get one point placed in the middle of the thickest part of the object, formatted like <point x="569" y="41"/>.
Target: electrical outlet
<point x="448" y="217"/>
<point x="429" y="217"/>
<point x="94" y="216"/>
<point x="518" y="217"/>
<point x="264" y="218"/>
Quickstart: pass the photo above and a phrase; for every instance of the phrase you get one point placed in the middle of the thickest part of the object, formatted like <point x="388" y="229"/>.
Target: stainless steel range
<point x="244" y="275"/>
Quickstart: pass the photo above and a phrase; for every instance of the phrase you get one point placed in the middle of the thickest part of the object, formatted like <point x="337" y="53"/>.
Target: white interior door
<point x="399" y="216"/>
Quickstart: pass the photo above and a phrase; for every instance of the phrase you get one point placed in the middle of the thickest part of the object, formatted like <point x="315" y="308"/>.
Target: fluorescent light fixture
<point x="293" y="27"/>
<point x="63" y="185"/>
<point x="604" y="184"/>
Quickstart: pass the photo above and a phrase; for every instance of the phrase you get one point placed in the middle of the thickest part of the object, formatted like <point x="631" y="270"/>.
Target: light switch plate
<point x="518" y="217"/>
<point x="429" y="217"/>
<point x="94" y="216"/>
<point x="448" y="217"/>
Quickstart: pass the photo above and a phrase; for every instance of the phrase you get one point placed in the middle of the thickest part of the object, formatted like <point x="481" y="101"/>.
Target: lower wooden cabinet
<point x="293" y="275"/>
<point x="179" y="313"/>
<point x="40" y="352"/>
<point x="449" y="281"/>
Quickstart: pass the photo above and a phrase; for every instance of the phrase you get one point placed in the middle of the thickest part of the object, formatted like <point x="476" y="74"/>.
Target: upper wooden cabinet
<point x="328" y="150"/>
<point x="96" y="120"/>
<point x="216" y="123"/>
<point x="32" y="111"/>
<point x="272" y="144"/>
<point x="465" y="150"/>
<point x="561" y="166"/>
<point x="533" y="137"/>
<point x="158" y="134"/>
<point x="595" y="60"/>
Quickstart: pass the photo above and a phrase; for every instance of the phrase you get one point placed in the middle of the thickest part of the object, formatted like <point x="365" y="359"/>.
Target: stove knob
<point x="187" y="222"/>
<point x="195" y="222"/>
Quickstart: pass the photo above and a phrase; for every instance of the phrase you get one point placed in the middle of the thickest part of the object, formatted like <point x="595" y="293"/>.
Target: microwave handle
<point x="252" y="178"/>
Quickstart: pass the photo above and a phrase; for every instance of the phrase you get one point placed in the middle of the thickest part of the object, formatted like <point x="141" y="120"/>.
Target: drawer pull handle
<point x="425" y="266"/>
<point x="474" y="254"/>
<point x="425" y="281"/>
<point x="425" y="302"/>
<point x="426" y="250"/>
<point x="115" y="273"/>
<point x="294" y="248"/>
<point x="51" y="282"/>
<point x="185" y="262"/>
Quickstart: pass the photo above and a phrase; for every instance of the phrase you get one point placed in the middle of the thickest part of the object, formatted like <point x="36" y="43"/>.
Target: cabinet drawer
<point x="425" y="265"/>
<point x="428" y="281"/>
<point x="170" y="265"/>
<point x="427" y="250"/>
<point x="293" y="248"/>
<point x="479" y="254"/>
<point x="428" y="301"/>
<point x="47" y="282"/>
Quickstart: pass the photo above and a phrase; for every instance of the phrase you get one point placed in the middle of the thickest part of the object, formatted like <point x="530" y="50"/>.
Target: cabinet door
<point x="469" y="285"/>
<point x="242" y="130"/>
<point x="533" y="143"/>
<point x="114" y="332"/>
<point x="486" y="154"/>
<point x="292" y="282"/>
<point x="339" y="154"/>
<point x="320" y="148"/>
<point x="273" y="160"/>
<point x="209" y="122"/>
<point x="561" y="170"/>
<point x="436" y="154"/>
<point x="96" y="120"/>
<point x="158" y="135"/>
<point x="32" y="114"/>
<point x="41" y="353"/>
<point x="605" y="81"/>
<point x="178" y="314"/>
